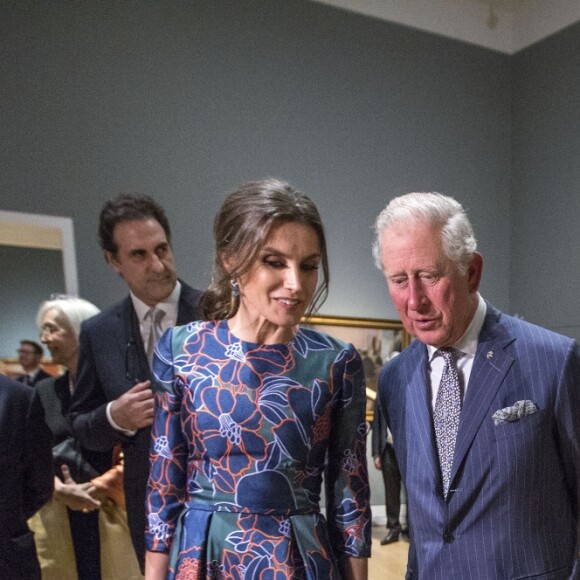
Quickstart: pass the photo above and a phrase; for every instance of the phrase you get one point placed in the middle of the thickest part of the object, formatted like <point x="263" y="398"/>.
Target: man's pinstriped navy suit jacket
<point x="513" y="511"/>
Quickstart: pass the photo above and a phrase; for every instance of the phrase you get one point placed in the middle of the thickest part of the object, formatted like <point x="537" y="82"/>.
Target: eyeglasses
<point x="22" y="351"/>
<point x="49" y="329"/>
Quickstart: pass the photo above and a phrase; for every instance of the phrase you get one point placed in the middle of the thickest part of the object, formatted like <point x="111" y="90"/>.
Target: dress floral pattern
<point x="242" y="436"/>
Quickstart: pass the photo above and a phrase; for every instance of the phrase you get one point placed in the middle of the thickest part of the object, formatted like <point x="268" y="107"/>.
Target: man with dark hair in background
<point x="113" y="400"/>
<point x="29" y="357"/>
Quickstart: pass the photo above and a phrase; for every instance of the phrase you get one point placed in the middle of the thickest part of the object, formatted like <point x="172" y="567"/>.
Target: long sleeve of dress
<point x="166" y="488"/>
<point x="347" y="488"/>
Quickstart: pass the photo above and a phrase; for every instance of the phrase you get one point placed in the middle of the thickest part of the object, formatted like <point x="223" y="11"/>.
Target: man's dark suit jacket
<point x="26" y="477"/>
<point x="111" y="360"/>
<point x="40" y="375"/>
<point x="514" y="506"/>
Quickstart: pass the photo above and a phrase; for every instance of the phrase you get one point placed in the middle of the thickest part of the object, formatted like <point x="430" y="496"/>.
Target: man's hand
<point x="134" y="409"/>
<point x="377" y="461"/>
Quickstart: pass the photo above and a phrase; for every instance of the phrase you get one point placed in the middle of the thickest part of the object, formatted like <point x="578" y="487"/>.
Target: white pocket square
<point x="514" y="413"/>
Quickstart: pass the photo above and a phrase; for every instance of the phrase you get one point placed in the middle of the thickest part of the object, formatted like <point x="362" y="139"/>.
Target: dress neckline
<point x="224" y="327"/>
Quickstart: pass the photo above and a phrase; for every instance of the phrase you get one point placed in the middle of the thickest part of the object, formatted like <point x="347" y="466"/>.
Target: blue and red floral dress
<point x="242" y="436"/>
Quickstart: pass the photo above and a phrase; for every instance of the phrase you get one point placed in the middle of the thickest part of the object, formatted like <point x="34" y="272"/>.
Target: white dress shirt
<point x="169" y="306"/>
<point x="466" y="346"/>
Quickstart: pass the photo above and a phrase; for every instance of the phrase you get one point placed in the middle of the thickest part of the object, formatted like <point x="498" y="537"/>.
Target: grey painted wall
<point x="185" y="100"/>
<point x="546" y="183"/>
<point x="29" y="276"/>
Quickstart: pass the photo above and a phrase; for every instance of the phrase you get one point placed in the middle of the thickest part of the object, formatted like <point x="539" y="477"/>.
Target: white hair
<point x="434" y="209"/>
<point x="71" y="310"/>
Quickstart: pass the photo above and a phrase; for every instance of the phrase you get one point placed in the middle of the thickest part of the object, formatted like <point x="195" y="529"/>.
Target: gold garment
<point x="55" y="549"/>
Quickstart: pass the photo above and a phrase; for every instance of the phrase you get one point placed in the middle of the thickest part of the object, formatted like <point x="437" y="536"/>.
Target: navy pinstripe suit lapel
<point x="490" y="367"/>
<point x="419" y="413"/>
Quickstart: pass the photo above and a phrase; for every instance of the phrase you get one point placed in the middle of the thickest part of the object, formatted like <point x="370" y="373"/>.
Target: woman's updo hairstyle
<point x="242" y="226"/>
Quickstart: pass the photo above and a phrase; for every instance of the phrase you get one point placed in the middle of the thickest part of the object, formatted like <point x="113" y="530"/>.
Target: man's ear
<point x="475" y="271"/>
<point x="112" y="261"/>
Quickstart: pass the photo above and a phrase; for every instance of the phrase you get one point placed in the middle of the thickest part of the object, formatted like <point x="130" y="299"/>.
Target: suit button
<point x="448" y="537"/>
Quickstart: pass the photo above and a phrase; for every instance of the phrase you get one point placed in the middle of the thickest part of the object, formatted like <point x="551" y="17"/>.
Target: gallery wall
<point x="545" y="271"/>
<point x="185" y="100"/>
<point x="26" y="274"/>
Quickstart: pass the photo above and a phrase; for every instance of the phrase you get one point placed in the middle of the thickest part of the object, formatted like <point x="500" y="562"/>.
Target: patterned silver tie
<point x="155" y="315"/>
<point x="446" y="414"/>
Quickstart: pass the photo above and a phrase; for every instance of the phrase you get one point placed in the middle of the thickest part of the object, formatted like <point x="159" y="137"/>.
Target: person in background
<point x="113" y="401"/>
<point x="29" y="357"/>
<point x="80" y="532"/>
<point x="484" y="409"/>
<point x="248" y="407"/>
<point x="385" y="460"/>
<point x="25" y="477"/>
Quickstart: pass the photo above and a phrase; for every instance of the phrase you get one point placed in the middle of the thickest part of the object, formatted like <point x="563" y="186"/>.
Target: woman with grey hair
<point x="73" y="529"/>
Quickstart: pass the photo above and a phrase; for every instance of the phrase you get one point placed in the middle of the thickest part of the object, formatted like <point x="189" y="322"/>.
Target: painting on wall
<point x="376" y="340"/>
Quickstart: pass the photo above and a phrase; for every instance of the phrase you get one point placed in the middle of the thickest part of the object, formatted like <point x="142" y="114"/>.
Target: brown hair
<point x="241" y="227"/>
<point x="35" y="346"/>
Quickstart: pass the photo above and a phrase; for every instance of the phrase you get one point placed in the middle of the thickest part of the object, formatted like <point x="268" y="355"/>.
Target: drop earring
<point x="235" y="288"/>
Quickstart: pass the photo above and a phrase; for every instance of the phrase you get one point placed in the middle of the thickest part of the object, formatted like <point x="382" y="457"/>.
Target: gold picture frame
<point x="377" y="341"/>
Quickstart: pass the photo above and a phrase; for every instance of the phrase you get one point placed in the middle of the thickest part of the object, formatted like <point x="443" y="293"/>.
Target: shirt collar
<point x="467" y="344"/>
<point x="168" y="304"/>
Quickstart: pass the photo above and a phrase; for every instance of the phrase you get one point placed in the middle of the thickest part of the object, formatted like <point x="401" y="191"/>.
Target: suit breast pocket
<point x="523" y="431"/>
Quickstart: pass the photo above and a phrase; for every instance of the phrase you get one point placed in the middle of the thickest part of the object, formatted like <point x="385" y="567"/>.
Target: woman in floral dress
<point x="253" y="413"/>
